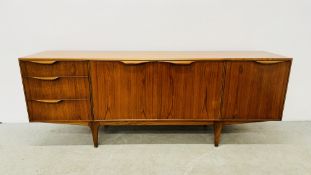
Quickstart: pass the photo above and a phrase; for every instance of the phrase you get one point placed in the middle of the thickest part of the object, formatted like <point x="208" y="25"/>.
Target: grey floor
<point x="256" y="148"/>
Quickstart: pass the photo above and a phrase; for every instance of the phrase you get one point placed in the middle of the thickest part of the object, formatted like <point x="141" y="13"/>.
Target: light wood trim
<point x="134" y="62"/>
<point x="178" y="62"/>
<point x="153" y="55"/>
<point x="45" y="78"/>
<point x="44" y="62"/>
<point x="268" y="62"/>
<point x="172" y="62"/>
<point x="49" y="101"/>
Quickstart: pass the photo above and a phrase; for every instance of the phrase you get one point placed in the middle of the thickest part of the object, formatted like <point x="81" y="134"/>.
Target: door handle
<point x="44" y="62"/>
<point x="178" y="62"/>
<point x="172" y="62"/>
<point x="45" y="78"/>
<point x="48" y="101"/>
<point x="269" y="62"/>
<point x="134" y="62"/>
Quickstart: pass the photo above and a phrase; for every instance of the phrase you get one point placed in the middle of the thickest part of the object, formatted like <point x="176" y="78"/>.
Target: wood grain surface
<point x="156" y="90"/>
<point x="63" y="110"/>
<point x="254" y="90"/>
<point x="60" y="88"/>
<point x="59" y="68"/>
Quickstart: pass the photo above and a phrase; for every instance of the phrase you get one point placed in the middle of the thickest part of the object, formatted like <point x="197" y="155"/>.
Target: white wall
<point x="281" y="26"/>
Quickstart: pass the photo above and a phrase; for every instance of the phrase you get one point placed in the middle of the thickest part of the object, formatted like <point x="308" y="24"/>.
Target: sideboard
<point x="96" y="88"/>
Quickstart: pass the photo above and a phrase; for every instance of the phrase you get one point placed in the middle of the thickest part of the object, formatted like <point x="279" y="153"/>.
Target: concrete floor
<point x="257" y="148"/>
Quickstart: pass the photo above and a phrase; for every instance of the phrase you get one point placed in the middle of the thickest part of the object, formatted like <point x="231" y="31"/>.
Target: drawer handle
<point x="178" y="62"/>
<point x="269" y="62"/>
<point x="43" y="62"/>
<point x="45" y="78"/>
<point x="172" y="62"/>
<point x="48" y="101"/>
<point x="134" y="62"/>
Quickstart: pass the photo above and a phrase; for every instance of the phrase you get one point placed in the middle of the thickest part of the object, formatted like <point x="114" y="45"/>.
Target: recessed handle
<point x="134" y="62"/>
<point x="46" y="78"/>
<point x="43" y="62"/>
<point x="269" y="62"/>
<point x="48" y="101"/>
<point x="178" y="62"/>
<point x="172" y="62"/>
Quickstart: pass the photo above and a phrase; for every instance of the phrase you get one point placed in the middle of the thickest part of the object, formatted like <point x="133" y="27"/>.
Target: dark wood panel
<point x="156" y="90"/>
<point x="59" y="88"/>
<point x="58" y="68"/>
<point x="63" y="110"/>
<point x="189" y="91"/>
<point x="254" y="90"/>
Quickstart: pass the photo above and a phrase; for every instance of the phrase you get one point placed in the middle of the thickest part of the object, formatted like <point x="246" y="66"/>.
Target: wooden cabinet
<point x="154" y="88"/>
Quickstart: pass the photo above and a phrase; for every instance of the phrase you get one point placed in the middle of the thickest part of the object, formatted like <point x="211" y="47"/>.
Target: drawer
<point x="59" y="110"/>
<point x="54" y="68"/>
<point x="56" y="87"/>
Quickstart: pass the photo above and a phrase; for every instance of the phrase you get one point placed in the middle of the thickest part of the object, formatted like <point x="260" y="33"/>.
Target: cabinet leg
<point x="217" y="132"/>
<point x="94" y="128"/>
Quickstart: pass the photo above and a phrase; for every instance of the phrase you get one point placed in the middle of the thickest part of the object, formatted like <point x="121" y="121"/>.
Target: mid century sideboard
<point x="96" y="88"/>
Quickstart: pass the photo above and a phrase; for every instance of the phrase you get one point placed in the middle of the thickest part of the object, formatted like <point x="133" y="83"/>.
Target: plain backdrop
<point x="280" y="26"/>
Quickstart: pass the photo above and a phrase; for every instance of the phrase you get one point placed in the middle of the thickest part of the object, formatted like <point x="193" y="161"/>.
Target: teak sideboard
<point x="97" y="88"/>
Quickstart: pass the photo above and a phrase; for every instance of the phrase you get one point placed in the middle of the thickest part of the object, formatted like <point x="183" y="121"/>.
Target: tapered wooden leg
<point x="217" y="132"/>
<point x="94" y="128"/>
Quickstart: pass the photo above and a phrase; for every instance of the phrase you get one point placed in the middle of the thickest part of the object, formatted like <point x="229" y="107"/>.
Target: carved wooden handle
<point x="269" y="62"/>
<point x="43" y="62"/>
<point x="134" y="62"/>
<point x="48" y="101"/>
<point x="46" y="78"/>
<point x="178" y="62"/>
<point x="172" y="62"/>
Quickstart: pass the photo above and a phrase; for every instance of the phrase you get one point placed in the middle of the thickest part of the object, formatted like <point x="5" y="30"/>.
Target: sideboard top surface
<point x="154" y="55"/>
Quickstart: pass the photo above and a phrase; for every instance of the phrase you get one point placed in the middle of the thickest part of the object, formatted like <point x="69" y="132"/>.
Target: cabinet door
<point x="255" y="90"/>
<point x="156" y="90"/>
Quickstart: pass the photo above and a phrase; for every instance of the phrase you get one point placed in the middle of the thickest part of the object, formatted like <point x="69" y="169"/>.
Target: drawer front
<point x="59" y="110"/>
<point x="156" y="90"/>
<point x="54" y="68"/>
<point x="56" y="87"/>
<point x="255" y="90"/>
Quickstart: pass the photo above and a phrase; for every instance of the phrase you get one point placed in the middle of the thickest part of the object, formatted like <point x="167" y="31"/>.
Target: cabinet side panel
<point x="23" y="83"/>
